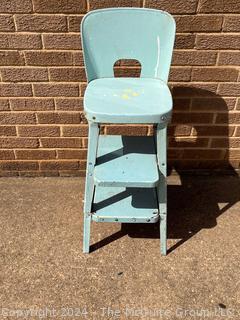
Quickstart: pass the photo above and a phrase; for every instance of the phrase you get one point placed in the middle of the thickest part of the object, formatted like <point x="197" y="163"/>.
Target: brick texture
<point x="7" y="131"/>
<point x="65" y="104"/>
<point x="35" y="154"/>
<point x="4" y="105"/>
<point x="56" y="90"/>
<point x="32" y="104"/>
<point x="59" y="6"/>
<point x="194" y="23"/>
<point x="215" y="74"/>
<point x="219" y="6"/>
<point x="6" y="23"/>
<point x="16" y="6"/>
<point x="62" y="41"/>
<point x="231" y="23"/>
<point x="15" y="90"/>
<point x="67" y="74"/>
<point x="218" y="41"/>
<point x="43" y="130"/>
<point x="229" y="58"/>
<point x="96" y="4"/>
<point x="38" y="131"/>
<point x="17" y="118"/>
<point x="46" y="58"/>
<point x="24" y="74"/>
<point x="174" y="6"/>
<point x="20" y="41"/>
<point x="11" y="58"/>
<point x="41" y="23"/>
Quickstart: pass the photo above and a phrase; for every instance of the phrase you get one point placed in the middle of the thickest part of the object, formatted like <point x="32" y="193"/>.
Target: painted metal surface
<point x="146" y="35"/>
<point x="126" y="176"/>
<point x="132" y="205"/>
<point x="126" y="161"/>
<point x="161" y="139"/>
<point x="128" y="100"/>
<point x="89" y="185"/>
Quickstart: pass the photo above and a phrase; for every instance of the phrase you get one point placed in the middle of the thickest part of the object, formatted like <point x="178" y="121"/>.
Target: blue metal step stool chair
<point x="126" y="176"/>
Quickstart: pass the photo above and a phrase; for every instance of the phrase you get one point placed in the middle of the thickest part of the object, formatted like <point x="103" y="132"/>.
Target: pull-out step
<point x="126" y="161"/>
<point x="132" y="205"/>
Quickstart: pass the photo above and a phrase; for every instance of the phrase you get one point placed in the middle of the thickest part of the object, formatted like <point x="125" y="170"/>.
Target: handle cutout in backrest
<point x="127" y="68"/>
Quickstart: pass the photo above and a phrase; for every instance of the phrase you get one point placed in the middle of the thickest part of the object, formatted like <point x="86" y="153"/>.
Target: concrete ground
<point x="44" y="275"/>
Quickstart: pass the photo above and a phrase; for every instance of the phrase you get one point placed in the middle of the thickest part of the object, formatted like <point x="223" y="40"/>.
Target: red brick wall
<point x="42" y="128"/>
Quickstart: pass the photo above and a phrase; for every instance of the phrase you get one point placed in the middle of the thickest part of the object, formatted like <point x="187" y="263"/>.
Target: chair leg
<point x="86" y="232"/>
<point x="162" y="186"/>
<point x="89" y="184"/>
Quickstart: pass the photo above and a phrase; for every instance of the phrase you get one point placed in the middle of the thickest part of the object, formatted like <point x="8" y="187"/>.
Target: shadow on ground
<point x="192" y="206"/>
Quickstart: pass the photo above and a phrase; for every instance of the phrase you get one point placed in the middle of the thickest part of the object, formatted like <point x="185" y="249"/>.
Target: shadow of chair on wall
<point x="197" y="201"/>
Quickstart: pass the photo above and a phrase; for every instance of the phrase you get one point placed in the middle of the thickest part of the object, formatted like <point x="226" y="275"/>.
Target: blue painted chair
<point x="126" y="176"/>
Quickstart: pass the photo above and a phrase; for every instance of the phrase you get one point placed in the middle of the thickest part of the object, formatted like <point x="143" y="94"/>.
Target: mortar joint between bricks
<point x="33" y="91"/>
<point x="37" y="120"/>
<point x="217" y="60"/>
<point x="223" y="20"/>
<point x="68" y="23"/>
<point x="209" y="142"/>
<point x="22" y="53"/>
<point x="88" y="5"/>
<point x="15" y="156"/>
<point x="237" y="103"/>
<point x="55" y="104"/>
<point x="198" y="7"/>
<point x="214" y="118"/>
<point x="238" y="74"/>
<point x="61" y="131"/>
<point x="234" y="131"/>
<point x="43" y="44"/>
<point x="192" y="131"/>
<point x="14" y="21"/>
<point x="17" y="132"/>
<point x="148" y="130"/>
<point x="218" y="85"/>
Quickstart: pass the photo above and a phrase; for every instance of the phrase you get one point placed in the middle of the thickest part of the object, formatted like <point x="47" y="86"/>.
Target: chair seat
<point x="128" y="100"/>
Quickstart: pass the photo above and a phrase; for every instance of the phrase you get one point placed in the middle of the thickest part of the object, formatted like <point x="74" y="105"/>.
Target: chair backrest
<point x="146" y="35"/>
